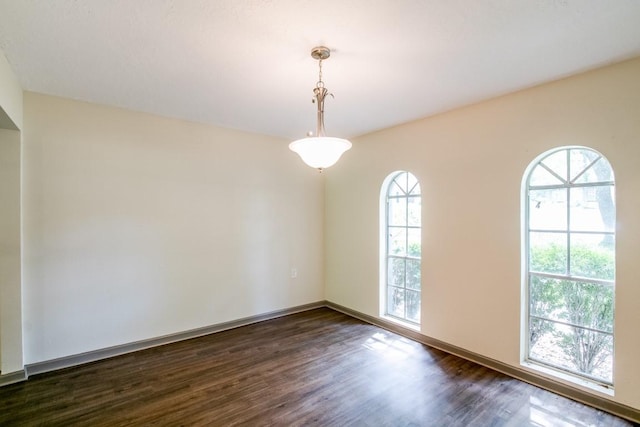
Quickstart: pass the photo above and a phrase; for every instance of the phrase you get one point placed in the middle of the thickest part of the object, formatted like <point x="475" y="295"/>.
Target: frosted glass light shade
<point x="320" y="152"/>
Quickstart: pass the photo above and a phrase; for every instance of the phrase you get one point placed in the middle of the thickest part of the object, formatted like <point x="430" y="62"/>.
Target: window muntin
<point x="570" y="263"/>
<point x="402" y="243"/>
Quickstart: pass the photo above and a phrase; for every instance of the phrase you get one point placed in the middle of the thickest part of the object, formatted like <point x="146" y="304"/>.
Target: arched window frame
<point x="406" y="294"/>
<point x="575" y="276"/>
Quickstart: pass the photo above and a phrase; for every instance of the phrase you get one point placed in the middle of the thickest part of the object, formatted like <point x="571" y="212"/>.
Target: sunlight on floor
<point x="550" y="415"/>
<point x="390" y="346"/>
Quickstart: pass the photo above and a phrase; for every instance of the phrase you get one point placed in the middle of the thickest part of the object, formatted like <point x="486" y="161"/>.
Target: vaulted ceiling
<point x="246" y="64"/>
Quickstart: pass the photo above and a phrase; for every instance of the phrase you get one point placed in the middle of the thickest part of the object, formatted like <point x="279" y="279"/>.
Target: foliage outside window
<point x="570" y="266"/>
<point x="403" y="247"/>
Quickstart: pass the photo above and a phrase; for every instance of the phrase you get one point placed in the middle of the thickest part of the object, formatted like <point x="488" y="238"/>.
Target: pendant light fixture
<point x="320" y="151"/>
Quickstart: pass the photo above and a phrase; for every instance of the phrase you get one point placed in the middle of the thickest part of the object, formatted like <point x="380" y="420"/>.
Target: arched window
<point x="401" y="247"/>
<point x="569" y="247"/>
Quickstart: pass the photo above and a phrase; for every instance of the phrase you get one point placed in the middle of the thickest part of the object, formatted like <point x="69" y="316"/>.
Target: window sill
<point x="402" y="323"/>
<point x="558" y="375"/>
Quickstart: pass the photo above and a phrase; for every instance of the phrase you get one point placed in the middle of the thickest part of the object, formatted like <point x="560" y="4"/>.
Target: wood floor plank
<point x="319" y="367"/>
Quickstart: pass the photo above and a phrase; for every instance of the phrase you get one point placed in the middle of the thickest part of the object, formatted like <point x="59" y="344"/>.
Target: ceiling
<point x="246" y="64"/>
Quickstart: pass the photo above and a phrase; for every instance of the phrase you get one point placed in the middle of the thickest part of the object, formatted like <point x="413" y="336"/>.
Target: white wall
<point x="137" y="226"/>
<point x="470" y="163"/>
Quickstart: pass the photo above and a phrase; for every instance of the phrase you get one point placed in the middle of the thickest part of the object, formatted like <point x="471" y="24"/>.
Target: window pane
<point x="548" y="252"/>
<point x="401" y="183"/>
<point x="600" y="362"/>
<point x="395" y="301"/>
<point x="395" y="189"/>
<point x="541" y="340"/>
<point x="557" y="162"/>
<point x="545" y="343"/>
<point x="397" y="241"/>
<point x="600" y="171"/>
<point x="414" y="242"/>
<point x="541" y="176"/>
<point x="415" y="211"/>
<point x="548" y="209"/>
<point x="415" y="190"/>
<point x="545" y="297"/>
<point x="593" y="256"/>
<point x="592" y="208"/>
<point x="413" y="274"/>
<point x="587" y="304"/>
<point x="413" y="305"/>
<point x="574" y="349"/>
<point x="396" y="271"/>
<point x="583" y="304"/>
<point x="580" y="164"/>
<point x="398" y="211"/>
<point x="413" y="187"/>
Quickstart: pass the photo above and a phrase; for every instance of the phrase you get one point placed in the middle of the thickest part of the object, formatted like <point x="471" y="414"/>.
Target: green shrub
<point x="580" y="303"/>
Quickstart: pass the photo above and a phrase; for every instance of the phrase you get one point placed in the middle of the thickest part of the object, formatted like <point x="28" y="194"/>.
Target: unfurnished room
<point x="338" y="213"/>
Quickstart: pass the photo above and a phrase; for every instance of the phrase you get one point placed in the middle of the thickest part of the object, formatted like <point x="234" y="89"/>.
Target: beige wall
<point x="137" y="226"/>
<point x="470" y="163"/>
<point x="10" y="252"/>
<point x="10" y="97"/>
<point x="10" y="291"/>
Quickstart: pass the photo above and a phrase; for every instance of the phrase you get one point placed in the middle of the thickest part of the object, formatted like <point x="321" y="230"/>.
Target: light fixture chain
<point x="320" y="82"/>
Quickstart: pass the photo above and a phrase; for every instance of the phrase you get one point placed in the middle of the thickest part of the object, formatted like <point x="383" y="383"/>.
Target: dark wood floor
<point x="314" y="368"/>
